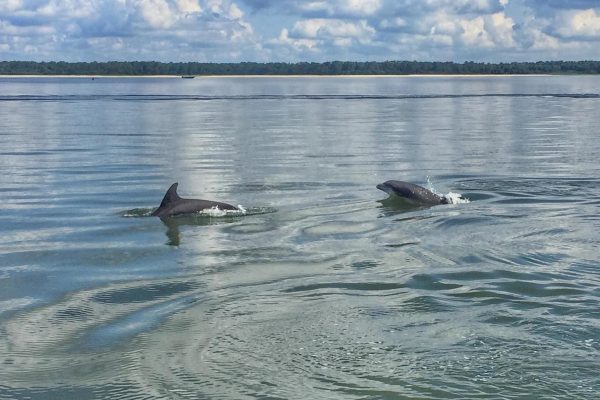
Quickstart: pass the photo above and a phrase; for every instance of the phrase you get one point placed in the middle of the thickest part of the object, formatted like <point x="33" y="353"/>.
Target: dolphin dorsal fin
<point x="170" y="196"/>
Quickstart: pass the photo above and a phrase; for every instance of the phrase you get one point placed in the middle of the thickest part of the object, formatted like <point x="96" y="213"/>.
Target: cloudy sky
<point x="296" y="30"/>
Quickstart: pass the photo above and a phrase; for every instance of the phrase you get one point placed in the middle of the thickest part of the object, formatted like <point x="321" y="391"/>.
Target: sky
<point x="295" y="30"/>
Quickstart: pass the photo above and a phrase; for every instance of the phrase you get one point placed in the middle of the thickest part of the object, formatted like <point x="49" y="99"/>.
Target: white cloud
<point x="361" y="7"/>
<point x="394" y="23"/>
<point x="156" y="13"/>
<point x="16" y="31"/>
<point x="189" y="6"/>
<point x="300" y="30"/>
<point x="323" y="36"/>
<point x="488" y="31"/>
<point x="167" y="30"/>
<point x="316" y="6"/>
<point x="341" y="8"/>
<point x="543" y="41"/>
<point x="297" y="44"/>
<point x="11" y="5"/>
<point x="474" y="33"/>
<point x="500" y="29"/>
<point x="235" y="12"/>
<point x="333" y="32"/>
<point x="579" y="24"/>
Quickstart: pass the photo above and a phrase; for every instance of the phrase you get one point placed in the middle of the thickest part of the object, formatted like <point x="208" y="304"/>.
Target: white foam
<point x="217" y="212"/>
<point x="456" y="198"/>
<point x="453" y="198"/>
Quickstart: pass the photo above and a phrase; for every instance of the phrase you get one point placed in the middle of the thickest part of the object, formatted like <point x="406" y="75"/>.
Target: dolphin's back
<point x="172" y="204"/>
<point x="413" y="193"/>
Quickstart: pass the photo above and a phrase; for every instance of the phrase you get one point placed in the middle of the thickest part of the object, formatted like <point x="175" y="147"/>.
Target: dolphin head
<point x="385" y="187"/>
<point x="399" y="188"/>
<point x="411" y="193"/>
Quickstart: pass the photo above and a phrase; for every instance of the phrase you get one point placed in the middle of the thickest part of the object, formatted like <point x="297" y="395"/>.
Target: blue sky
<point x="295" y="30"/>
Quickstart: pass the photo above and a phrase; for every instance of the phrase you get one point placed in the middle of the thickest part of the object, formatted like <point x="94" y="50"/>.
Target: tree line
<point x="301" y="68"/>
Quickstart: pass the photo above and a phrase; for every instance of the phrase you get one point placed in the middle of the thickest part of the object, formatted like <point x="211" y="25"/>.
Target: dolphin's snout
<point x="384" y="187"/>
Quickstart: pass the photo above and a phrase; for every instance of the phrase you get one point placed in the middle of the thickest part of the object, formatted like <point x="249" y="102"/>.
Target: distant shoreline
<point x="281" y="69"/>
<point x="292" y="76"/>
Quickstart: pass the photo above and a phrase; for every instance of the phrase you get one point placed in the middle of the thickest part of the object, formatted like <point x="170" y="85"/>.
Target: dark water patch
<point x="141" y="294"/>
<point x="517" y="195"/>
<point x="414" y="218"/>
<point x="460" y="221"/>
<point x="429" y="282"/>
<point x="121" y="388"/>
<point x="420" y="282"/>
<point x="337" y="230"/>
<point x="486" y="297"/>
<point x="504" y="319"/>
<point x="531" y="189"/>
<point x="267" y="255"/>
<point x="534" y="289"/>
<point x="538" y="200"/>
<point x="396" y="204"/>
<point x="46" y="152"/>
<point x="499" y="274"/>
<point x="39" y="392"/>
<point x="590" y="269"/>
<point x="539" y="259"/>
<point x="127" y="169"/>
<point x="69" y="259"/>
<point x="478" y="196"/>
<point x="340" y="287"/>
<point x="291" y="186"/>
<point x="331" y="155"/>
<point x="399" y="245"/>
<point x="425" y="304"/>
<point x="74" y="313"/>
<point x="468" y="274"/>
<point x="366" y="264"/>
<point x="26" y="153"/>
<point x="251" y="228"/>
<point x="546" y="232"/>
<point x="526" y="259"/>
<point x="120" y="329"/>
<point x="590" y="217"/>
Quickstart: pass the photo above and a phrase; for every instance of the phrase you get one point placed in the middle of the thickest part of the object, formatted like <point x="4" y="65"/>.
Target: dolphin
<point x="412" y="193"/>
<point x="172" y="205"/>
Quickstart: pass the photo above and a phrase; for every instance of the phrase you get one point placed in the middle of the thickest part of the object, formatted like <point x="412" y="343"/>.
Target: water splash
<point x="430" y="185"/>
<point x="217" y="212"/>
<point x="456" y="198"/>
<point x="453" y="198"/>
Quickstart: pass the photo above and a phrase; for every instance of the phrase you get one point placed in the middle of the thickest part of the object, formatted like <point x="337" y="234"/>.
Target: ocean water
<point x="323" y="288"/>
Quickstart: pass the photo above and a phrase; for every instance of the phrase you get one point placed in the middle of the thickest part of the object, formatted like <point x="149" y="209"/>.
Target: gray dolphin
<point x="172" y="205"/>
<point x="412" y="193"/>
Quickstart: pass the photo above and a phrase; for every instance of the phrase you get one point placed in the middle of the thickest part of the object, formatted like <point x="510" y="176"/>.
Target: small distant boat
<point x="188" y="76"/>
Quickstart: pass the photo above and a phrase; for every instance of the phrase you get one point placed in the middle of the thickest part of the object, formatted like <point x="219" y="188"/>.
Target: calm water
<point x="324" y="291"/>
